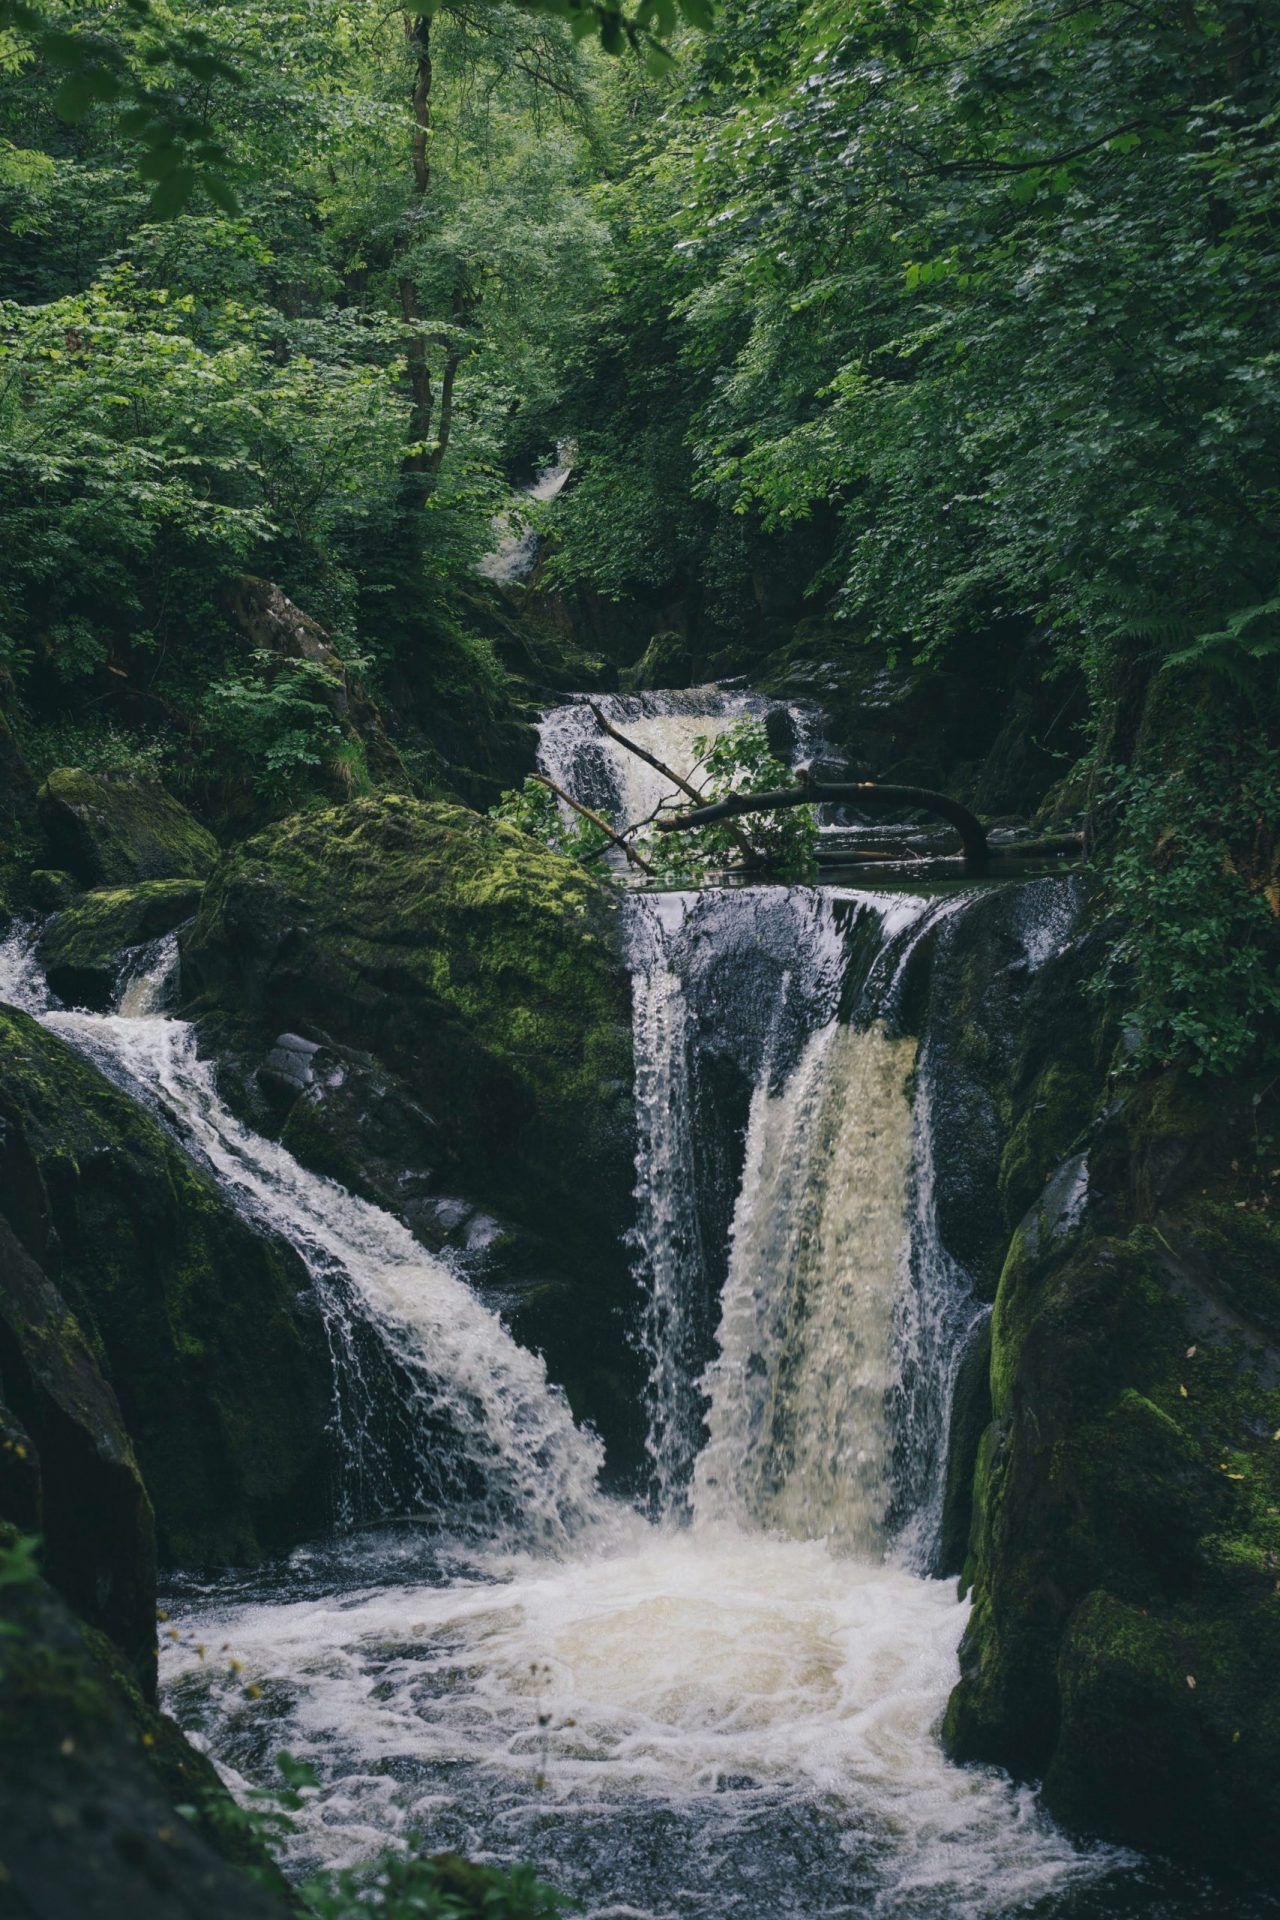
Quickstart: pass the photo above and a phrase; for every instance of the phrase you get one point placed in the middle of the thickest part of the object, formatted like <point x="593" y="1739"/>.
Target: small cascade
<point x="579" y="757"/>
<point x="516" y="542"/>
<point x="437" y="1408"/>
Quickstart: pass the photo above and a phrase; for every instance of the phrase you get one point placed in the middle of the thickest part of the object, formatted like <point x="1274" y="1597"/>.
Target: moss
<point x="1127" y="1512"/>
<point x="1053" y="1116"/>
<point x="94" y="1780"/>
<point x="421" y="931"/>
<point x="113" y="831"/>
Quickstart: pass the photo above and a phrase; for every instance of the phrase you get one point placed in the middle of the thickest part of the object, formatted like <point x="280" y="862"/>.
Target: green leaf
<point x="173" y="193"/>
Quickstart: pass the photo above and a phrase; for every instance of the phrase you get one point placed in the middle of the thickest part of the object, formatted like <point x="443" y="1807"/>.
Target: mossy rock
<point x="86" y="1498"/>
<point x="1170" y="1727"/>
<point x="463" y="955"/>
<point x="1127" y="1496"/>
<point x="91" y="1783"/>
<point x="114" y="830"/>
<point x="194" y="1319"/>
<point x="83" y="946"/>
<point x="466" y="991"/>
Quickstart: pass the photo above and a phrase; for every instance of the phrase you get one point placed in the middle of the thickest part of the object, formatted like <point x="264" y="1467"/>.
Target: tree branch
<point x="862" y="793"/>
<point x="739" y="839"/>
<point x="636" y="859"/>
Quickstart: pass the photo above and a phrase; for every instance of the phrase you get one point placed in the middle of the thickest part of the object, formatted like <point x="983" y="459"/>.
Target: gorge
<point x="719" y="1684"/>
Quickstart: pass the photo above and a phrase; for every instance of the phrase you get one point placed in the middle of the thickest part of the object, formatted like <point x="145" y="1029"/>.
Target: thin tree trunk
<point x="739" y="838"/>
<point x="636" y="859"/>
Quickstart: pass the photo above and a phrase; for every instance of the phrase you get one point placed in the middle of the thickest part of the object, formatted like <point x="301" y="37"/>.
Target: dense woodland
<point x="918" y="360"/>
<point x="930" y="336"/>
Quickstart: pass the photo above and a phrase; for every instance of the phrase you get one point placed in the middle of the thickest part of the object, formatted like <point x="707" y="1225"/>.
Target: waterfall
<point x="726" y="1705"/>
<point x="596" y="770"/>
<point x="799" y="1440"/>
<point x="516" y="542"/>
<point x="436" y="1406"/>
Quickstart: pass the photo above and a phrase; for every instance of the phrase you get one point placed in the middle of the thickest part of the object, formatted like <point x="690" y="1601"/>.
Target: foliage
<point x="534" y="809"/>
<point x="277" y="720"/>
<point x="408" y="1887"/>
<point x="97" y="747"/>
<point x="1196" y="881"/>
<point x="738" y="760"/>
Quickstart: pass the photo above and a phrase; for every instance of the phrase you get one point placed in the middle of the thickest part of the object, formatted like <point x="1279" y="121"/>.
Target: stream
<point x="720" y="1698"/>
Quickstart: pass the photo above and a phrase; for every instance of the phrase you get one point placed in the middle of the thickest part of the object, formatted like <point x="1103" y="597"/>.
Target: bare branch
<point x="636" y="859"/>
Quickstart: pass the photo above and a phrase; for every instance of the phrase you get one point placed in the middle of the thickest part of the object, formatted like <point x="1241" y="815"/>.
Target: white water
<point x="517" y="542"/>
<point x="595" y="769"/>
<point x="731" y="1717"/>
<point x="799" y="1443"/>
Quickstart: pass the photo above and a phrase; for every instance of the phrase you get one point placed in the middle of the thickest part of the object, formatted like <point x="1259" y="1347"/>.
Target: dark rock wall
<point x="1124" y="1559"/>
<point x="196" y="1322"/>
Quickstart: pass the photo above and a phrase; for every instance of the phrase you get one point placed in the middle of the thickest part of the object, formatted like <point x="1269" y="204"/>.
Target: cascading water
<point x="728" y="1707"/>
<point x="478" y="1436"/>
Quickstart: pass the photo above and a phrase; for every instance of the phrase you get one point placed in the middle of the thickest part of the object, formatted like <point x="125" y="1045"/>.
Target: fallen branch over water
<point x="636" y="859"/>
<point x="978" y="854"/>
<point x="739" y="838"/>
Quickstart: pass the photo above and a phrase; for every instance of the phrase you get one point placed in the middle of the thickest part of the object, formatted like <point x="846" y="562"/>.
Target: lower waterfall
<point x="724" y="1705"/>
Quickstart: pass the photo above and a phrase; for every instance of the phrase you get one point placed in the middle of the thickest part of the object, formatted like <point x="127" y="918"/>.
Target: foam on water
<point x="702" y="1723"/>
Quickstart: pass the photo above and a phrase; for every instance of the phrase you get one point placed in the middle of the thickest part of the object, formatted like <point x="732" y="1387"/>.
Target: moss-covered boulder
<point x="104" y="1808"/>
<point x="195" y="1320"/>
<point x="112" y="830"/>
<point x="452" y="1014"/>
<point x="1124" y="1643"/>
<point x="83" y="1495"/>
<point x="82" y="947"/>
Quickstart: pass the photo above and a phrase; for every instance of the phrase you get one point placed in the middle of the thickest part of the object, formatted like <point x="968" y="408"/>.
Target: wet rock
<point x="82" y="948"/>
<point x="199" y="1324"/>
<point x="50" y="889"/>
<point x="91" y="1783"/>
<point x="112" y="830"/>
<point x="85" y="1496"/>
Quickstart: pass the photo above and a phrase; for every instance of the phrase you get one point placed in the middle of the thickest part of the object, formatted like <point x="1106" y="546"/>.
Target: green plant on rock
<point x="534" y="809"/>
<point x="1196" y="879"/>
<point x="277" y="720"/>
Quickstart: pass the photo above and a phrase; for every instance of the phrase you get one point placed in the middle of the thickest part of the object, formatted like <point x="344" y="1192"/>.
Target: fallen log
<point x="861" y="793"/>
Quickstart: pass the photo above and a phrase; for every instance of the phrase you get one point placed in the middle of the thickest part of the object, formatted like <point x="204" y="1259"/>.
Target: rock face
<point x="91" y="1781"/>
<point x="71" y="1476"/>
<point x="430" y="1007"/>
<point x="1124" y="1644"/>
<point x="83" y="945"/>
<point x="114" y="830"/>
<point x="195" y="1322"/>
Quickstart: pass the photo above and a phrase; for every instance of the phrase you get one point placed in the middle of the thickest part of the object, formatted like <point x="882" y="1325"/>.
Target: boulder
<point x="104" y="1808"/>
<point x="432" y="1008"/>
<point x="82" y="948"/>
<point x="111" y="830"/>
<point x="199" y="1325"/>
<point x="84" y="1497"/>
